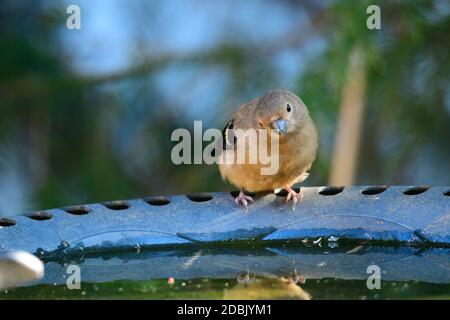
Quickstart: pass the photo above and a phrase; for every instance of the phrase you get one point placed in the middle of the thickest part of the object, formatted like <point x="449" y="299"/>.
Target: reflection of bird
<point x="283" y="114"/>
<point x="266" y="288"/>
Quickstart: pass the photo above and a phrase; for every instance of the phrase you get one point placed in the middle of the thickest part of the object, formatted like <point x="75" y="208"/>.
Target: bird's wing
<point x="227" y="144"/>
<point x="243" y="119"/>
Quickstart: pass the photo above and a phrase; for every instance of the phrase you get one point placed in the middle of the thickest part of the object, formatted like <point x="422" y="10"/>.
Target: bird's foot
<point x="244" y="199"/>
<point x="295" y="196"/>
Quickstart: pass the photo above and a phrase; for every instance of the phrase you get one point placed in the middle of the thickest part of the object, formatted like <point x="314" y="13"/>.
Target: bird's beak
<point x="280" y="125"/>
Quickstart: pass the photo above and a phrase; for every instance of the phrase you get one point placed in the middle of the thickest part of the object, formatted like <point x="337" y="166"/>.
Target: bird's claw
<point x="244" y="199"/>
<point x="295" y="196"/>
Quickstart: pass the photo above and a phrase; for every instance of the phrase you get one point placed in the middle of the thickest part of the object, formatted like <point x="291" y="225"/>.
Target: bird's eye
<point x="288" y="107"/>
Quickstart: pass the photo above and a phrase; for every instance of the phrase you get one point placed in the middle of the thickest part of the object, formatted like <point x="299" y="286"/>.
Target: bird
<point x="282" y="114"/>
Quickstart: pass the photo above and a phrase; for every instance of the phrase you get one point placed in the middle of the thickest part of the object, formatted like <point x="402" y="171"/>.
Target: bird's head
<point x="282" y="111"/>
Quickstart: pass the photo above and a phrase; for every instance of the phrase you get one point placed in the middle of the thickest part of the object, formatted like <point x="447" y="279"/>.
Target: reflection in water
<point x="262" y="288"/>
<point x="246" y="278"/>
<point x="276" y="272"/>
<point x="266" y="288"/>
<point x="249" y="287"/>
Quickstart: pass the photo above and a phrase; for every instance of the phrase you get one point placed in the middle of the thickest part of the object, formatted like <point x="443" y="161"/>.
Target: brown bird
<point x="283" y="116"/>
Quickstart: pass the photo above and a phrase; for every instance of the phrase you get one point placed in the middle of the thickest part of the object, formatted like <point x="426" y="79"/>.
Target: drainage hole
<point x="157" y="201"/>
<point x="200" y="197"/>
<point x="411" y="191"/>
<point x="330" y="191"/>
<point x="116" y="205"/>
<point x="374" y="190"/>
<point x="77" y="210"/>
<point x="40" y="216"/>
<point x="5" y="222"/>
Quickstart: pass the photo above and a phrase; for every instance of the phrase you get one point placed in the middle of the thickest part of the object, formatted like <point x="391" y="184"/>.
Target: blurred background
<point x="86" y="115"/>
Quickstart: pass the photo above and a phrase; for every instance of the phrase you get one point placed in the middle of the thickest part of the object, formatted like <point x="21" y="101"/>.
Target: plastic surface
<point x="421" y="217"/>
<point x="396" y="264"/>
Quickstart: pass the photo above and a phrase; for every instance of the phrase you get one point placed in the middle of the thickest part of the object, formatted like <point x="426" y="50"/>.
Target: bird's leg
<point x="296" y="197"/>
<point x="244" y="199"/>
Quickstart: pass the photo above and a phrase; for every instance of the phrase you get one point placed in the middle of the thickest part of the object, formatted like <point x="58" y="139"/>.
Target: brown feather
<point x="297" y="148"/>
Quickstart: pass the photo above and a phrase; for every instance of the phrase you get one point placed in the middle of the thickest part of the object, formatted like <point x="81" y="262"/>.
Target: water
<point x="293" y="271"/>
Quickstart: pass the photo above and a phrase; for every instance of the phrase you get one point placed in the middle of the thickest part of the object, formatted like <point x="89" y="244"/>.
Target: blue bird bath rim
<point x="412" y="215"/>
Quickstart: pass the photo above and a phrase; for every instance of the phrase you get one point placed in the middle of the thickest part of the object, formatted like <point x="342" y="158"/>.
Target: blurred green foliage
<point x="89" y="138"/>
<point x="405" y="131"/>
